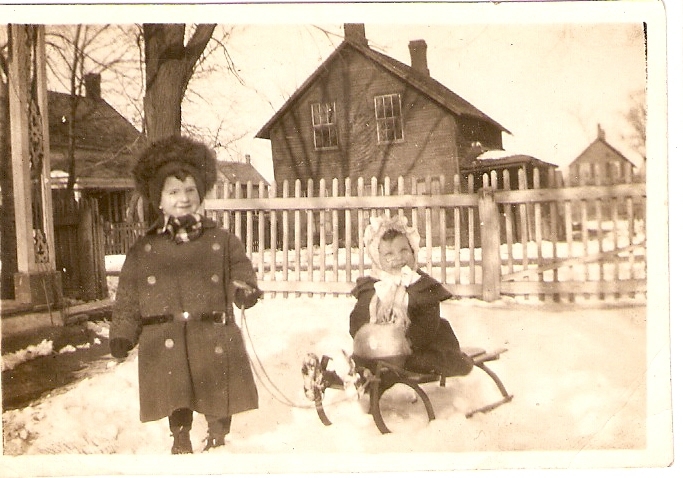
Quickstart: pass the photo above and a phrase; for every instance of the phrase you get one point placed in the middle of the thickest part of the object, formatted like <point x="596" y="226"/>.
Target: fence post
<point x="93" y="284"/>
<point x="490" y="244"/>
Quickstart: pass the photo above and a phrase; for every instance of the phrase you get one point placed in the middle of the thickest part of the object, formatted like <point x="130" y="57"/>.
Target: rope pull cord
<point x="260" y="372"/>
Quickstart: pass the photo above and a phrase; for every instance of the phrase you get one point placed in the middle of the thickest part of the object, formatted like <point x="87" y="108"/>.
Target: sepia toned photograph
<point x="334" y="238"/>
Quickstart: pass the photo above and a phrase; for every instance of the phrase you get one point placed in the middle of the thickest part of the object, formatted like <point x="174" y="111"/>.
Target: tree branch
<point x="197" y="43"/>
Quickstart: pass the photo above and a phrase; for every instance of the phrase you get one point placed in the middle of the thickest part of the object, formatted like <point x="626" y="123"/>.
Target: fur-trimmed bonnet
<point x="174" y="156"/>
<point x="381" y="224"/>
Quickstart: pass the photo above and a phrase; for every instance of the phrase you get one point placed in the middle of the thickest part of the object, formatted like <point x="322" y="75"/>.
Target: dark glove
<point x="246" y="295"/>
<point x="120" y="347"/>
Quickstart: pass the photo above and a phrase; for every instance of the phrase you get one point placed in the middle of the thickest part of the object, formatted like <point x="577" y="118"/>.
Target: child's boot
<point x="181" y="440"/>
<point x="214" y="442"/>
<point x="218" y="429"/>
<point x="180" y="423"/>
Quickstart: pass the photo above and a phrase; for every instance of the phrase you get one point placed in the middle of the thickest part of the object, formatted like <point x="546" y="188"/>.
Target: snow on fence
<point x="567" y="243"/>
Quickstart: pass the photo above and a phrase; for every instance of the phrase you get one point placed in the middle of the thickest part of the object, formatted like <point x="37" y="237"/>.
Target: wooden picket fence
<point x="119" y="237"/>
<point x="562" y="243"/>
<point x="79" y="247"/>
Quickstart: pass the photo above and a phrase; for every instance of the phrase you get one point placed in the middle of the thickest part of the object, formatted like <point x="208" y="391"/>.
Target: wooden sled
<point x="378" y="376"/>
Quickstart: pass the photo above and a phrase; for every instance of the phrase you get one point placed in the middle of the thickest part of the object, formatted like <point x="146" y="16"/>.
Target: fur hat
<point x="381" y="224"/>
<point x="177" y="156"/>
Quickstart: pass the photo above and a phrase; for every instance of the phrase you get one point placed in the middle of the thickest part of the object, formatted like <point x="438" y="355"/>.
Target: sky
<point x="550" y="85"/>
<point x="548" y="73"/>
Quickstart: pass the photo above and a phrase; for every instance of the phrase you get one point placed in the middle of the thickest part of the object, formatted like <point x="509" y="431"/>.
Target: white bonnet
<point x="381" y="224"/>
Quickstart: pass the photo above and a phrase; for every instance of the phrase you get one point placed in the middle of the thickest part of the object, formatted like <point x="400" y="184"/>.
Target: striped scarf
<point x="183" y="229"/>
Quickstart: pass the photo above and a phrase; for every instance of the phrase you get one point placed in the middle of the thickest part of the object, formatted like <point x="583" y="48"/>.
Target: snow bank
<point x="11" y="360"/>
<point x="577" y="376"/>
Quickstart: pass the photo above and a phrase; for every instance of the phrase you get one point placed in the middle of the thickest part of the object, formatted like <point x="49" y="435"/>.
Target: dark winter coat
<point x="434" y="345"/>
<point x="189" y="361"/>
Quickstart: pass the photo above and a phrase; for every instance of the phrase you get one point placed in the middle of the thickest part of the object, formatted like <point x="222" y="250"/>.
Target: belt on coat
<point x="216" y="317"/>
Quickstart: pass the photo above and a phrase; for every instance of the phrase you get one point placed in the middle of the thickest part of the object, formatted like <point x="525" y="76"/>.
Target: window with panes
<point x="389" y="118"/>
<point x="324" y="120"/>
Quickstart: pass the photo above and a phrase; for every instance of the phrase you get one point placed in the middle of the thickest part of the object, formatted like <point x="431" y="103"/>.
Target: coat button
<point x="151" y="280"/>
<point x="169" y="343"/>
<point x="148" y="247"/>
<point x="215" y="246"/>
<point x="218" y="350"/>
<point x="215" y="278"/>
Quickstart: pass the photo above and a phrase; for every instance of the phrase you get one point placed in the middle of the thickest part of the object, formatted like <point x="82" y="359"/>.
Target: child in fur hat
<point x="175" y="300"/>
<point x="397" y="313"/>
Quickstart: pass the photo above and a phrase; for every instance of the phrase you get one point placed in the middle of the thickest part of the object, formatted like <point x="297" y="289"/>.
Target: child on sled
<point x="396" y="317"/>
<point x="397" y="313"/>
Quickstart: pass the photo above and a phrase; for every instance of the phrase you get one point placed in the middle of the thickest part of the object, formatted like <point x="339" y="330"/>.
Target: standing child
<point x="397" y="313"/>
<point x="175" y="300"/>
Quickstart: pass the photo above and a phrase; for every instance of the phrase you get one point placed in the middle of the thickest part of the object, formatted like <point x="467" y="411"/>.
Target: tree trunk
<point x="169" y="64"/>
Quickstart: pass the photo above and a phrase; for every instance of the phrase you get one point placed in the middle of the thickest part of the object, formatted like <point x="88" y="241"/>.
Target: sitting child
<point x="397" y="313"/>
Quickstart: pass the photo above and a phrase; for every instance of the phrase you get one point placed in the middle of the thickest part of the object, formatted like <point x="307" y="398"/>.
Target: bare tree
<point x="72" y="53"/>
<point x="169" y="65"/>
<point x="636" y="118"/>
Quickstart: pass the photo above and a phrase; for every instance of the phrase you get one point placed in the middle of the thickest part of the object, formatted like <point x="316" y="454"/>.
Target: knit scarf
<point x="389" y="305"/>
<point x="184" y="228"/>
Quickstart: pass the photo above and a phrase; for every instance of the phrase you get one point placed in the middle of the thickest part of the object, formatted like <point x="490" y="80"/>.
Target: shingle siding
<point x="438" y="126"/>
<point x="428" y="147"/>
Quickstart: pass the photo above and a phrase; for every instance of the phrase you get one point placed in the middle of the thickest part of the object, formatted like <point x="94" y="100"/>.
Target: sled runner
<point x="377" y="376"/>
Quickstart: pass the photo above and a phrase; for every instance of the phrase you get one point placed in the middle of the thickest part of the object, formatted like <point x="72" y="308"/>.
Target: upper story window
<point x="616" y="172"/>
<point x="389" y="118"/>
<point x="324" y="119"/>
<point x="586" y="171"/>
<point x="220" y="185"/>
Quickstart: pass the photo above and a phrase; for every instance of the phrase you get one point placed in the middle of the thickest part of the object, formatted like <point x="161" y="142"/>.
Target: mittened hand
<point x="246" y="295"/>
<point x="120" y="347"/>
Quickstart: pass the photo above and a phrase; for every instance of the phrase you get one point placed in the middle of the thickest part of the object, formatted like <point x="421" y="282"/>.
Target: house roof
<point x="108" y="140"/>
<point x="423" y="83"/>
<point x="488" y="162"/>
<point x="593" y="150"/>
<point x="235" y="171"/>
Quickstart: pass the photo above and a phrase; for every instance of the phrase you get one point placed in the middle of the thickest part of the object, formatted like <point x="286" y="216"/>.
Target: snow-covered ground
<point x="588" y="383"/>
<point x="45" y="347"/>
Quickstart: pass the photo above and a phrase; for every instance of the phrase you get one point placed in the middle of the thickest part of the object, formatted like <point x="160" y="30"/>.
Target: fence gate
<point x="79" y="247"/>
<point x="577" y="243"/>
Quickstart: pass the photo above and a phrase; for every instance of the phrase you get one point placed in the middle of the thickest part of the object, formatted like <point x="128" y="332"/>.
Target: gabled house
<point x="600" y="163"/>
<point x="105" y="148"/>
<point x="232" y="172"/>
<point x="363" y="114"/>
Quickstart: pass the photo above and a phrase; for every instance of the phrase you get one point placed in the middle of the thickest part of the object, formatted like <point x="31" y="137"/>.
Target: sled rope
<point x="270" y="387"/>
<point x="282" y="398"/>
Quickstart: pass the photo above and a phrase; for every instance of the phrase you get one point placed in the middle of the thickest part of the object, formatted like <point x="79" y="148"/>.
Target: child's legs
<point x="424" y="361"/>
<point x="182" y="417"/>
<point x="218" y="426"/>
